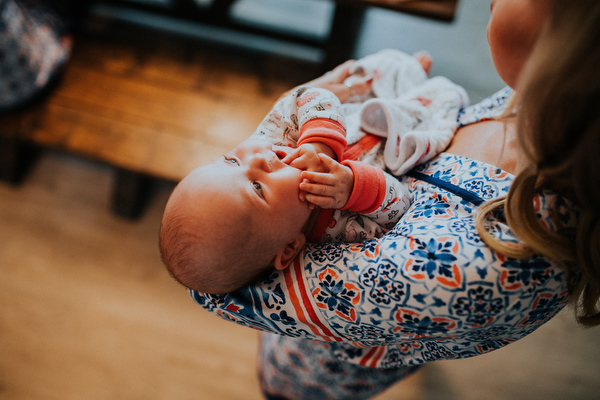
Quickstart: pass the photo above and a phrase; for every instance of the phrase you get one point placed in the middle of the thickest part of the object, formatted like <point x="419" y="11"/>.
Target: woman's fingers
<point x="342" y="71"/>
<point x="364" y="85"/>
<point x="359" y="86"/>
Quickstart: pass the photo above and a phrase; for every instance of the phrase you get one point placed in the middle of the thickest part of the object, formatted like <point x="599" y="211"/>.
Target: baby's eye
<point x="258" y="188"/>
<point x="231" y="160"/>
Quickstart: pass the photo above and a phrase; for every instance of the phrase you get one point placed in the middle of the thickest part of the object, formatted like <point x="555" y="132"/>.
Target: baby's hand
<point x="329" y="189"/>
<point x="306" y="157"/>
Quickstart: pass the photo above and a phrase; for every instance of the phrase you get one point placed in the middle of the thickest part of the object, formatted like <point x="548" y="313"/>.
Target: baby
<point x="230" y="221"/>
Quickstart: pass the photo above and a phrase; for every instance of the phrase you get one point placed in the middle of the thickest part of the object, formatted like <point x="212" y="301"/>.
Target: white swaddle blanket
<point x="418" y="125"/>
<point x="394" y="72"/>
<point x="416" y="115"/>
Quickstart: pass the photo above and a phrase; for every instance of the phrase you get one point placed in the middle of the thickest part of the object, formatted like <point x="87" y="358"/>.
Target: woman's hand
<point x="330" y="189"/>
<point x="334" y="82"/>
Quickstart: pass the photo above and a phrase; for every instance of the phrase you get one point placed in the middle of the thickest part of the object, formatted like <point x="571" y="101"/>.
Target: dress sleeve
<point x="353" y="293"/>
<point x="327" y="290"/>
<point x="427" y="282"/>
<point x="429" y="289"/>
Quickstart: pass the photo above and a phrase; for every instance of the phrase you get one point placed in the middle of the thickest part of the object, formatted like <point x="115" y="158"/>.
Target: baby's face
<point x="255" y="167"/>
<point x="251" y="180"/>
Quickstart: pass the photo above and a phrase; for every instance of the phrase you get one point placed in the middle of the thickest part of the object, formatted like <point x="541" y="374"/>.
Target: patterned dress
<point x="351" y="319"/>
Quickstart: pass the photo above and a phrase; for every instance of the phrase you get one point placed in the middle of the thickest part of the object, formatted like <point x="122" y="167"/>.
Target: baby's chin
<point x="297" y="208"/>
<point x="308" y="208"/>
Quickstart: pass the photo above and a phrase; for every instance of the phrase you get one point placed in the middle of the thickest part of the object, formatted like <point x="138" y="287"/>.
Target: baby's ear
<point x="287" y="253"/>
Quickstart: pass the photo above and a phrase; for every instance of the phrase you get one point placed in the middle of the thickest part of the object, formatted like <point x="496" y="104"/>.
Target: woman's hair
<point x="559" y="132"/>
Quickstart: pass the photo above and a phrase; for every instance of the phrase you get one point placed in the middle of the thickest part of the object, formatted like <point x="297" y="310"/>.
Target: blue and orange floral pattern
<point x="336" y="295"/>
<point x="430" y="289"/>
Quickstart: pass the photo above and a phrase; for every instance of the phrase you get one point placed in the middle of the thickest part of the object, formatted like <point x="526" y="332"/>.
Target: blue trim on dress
<point x="466" y="195"/>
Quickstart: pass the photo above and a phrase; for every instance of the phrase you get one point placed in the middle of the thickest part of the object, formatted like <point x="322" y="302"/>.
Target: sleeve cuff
<point x="369" y="187"/>
<point x="325" y="131"/>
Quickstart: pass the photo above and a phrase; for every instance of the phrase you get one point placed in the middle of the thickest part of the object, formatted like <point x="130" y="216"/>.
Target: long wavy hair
<point x="559" y="133"/>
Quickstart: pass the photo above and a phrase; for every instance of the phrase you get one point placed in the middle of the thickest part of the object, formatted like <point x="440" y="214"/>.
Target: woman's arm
<point x="334" y="82"/>
<point x="420" y="281"/>
<point x="429" y="289"/>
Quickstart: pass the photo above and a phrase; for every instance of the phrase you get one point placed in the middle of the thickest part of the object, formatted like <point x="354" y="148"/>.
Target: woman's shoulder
<point x="491" y="107"/>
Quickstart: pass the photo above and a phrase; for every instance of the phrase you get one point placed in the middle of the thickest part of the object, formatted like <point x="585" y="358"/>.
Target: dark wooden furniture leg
<point x="16" y="154"/>
<point x="131" y="193"/>
<point x="345" y="28"/>
<point x="16" y="158"/>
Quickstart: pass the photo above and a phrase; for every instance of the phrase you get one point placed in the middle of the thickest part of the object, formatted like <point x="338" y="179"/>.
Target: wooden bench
<point x="151" y="105"/>
<point x="338" y="45"/>
<point x="153" y="110"/>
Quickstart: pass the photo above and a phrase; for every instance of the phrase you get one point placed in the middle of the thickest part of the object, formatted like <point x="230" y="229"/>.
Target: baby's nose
<point x="281" y="151"/>
<point x="260" y="161"/>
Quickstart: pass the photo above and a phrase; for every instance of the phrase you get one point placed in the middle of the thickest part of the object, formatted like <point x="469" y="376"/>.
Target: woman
<point x="446" y="283"/>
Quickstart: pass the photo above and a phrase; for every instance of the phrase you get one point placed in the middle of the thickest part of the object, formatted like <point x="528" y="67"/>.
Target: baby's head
<point x="227" y="222"/>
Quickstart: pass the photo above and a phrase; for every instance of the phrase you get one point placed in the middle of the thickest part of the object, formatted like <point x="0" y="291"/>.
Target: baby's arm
<point x="317" y="134"/>
<point x="307" y="115"/>
<point x="388" y="200"/>
<point x="359" y="187"/>
<point x="316" y="113"/>
<point x="394" y="204"/>
<point x="356" y="186"/>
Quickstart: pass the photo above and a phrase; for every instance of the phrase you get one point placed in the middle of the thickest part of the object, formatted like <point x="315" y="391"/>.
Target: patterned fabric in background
<point x="287" y="370"/>
<point x="33" y="50"/>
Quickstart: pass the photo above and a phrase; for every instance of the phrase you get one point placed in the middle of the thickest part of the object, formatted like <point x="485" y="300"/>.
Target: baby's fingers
<point x="317" y="195"/>
<point x="337" y="171"/>
<point x="316" y="189"/>
<point x="290" y="157"/>
<point x="323" y="202"/>
<point x="319" y="190"/>
<point x="321" y="178"/>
